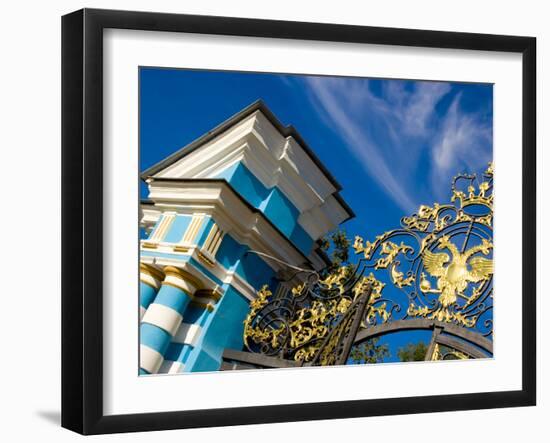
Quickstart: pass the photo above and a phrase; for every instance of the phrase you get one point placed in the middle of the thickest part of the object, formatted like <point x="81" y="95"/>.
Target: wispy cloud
<point x="460" y="144"/>
<point x="391" y="131"/>
<point x="339" y="110"/>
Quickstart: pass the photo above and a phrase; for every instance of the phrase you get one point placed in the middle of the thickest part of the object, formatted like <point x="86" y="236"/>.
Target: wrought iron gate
<point x="440" y="259"/>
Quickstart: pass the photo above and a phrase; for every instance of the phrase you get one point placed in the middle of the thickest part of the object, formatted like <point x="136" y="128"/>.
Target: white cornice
<point x="149" y="215"/>
<point x="275" y="160"/>
<point x="222" y="149"/>
<point x="222" y="274"/>
<point x="231" y="213"/>
<point x="152" y="214"/>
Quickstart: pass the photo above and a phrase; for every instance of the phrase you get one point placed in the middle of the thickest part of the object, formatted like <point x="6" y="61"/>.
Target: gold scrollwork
<point x="453" y="270"/>
<point x="446" y="281"/>
<point x="256" y="334"/>
<point x="438" y="355"/>
<point x="313" y="323"/>
<point x="398" y="277"/>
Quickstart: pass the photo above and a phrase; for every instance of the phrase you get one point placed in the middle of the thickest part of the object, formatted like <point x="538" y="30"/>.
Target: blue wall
<point x="223" y="329"/>
<point x="181" y="352"/>
<point x="204" y="231"/>
<point x="232" y="255"/>
<point x="276" y="207"/>
<point x="179" y="226"/>
<point x="246" y="184"/>
<point x="271" y="202"/>
<point x="177" y="229"/>
<point x="230" y="252"/>
<point x="253" y="269"/>
<point x="155" y="227"/>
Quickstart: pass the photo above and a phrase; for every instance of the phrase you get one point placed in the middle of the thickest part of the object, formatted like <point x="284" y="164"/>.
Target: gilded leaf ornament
<point x="445" y="252"/>
<point x="440" y="259"/>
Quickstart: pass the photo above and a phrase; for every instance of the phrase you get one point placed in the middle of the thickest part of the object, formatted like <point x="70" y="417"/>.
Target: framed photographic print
<point x="270" y="221"/>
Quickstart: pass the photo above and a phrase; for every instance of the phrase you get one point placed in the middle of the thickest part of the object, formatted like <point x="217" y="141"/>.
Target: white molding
<point x="274" y="160"/>
<point x="241" y="285"/>
<point x="187" y="334"/>
<point x="322" y="219"/>
<point x="149" y="279"/>
<point x="225" y="276"/>
<point x="181" y="282"/>
<point x="232" y="216"/>
<point x="171" y="367"/>
<point x="149" y="216"/>
<point x="230" y="212"/>
<point x="317" y="262"/>
<point x="149" y="359"/>
<point x="163" y="317"/>
<point x="295" y="157"/>
<point x="222" y="149"/>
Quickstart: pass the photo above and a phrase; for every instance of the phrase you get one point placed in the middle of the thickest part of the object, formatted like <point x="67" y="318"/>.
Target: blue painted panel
<point x="204" y="231"/>
<point x="280" y="211"/>
<point x="178" y="352"/>
<point x="223" y="329"/>
<point x="229" y="252"/>
<point x="184" y="355"/>
<point x="205" y="271"/>
<point x="202" y="361"/>
<point x="173" y="298"/>
<point x="271" y="202"/>
<point x="254" y="270"/>
<point x="143" y="372"/>
<point x="146" y="294"/>
<point x="173" y="351"/>
<point x="246" y="184"/>
<point x="301" y="239"/>
<point x="154" y="337"/>
<point x="145" y="253"/>
<point x="193" y="314"/>
<point x="250" y="267"/>
<point x="232" y="314"/>
<point x="178" y="228"/>
<point x="201" y="321"/>
<point x="142" y="234"/>
<point x="227" y="173"/>
<point x="156" y="226"/>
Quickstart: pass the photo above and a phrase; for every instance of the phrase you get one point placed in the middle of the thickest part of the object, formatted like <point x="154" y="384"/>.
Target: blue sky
<point x="392" y="144"/>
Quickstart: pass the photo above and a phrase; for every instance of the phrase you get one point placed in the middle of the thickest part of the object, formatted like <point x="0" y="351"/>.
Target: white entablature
<point x="275" y="155"/>
<point x="217" y="199"/>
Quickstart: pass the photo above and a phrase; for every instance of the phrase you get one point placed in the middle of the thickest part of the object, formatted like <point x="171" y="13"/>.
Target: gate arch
<point x="440" y="259"/>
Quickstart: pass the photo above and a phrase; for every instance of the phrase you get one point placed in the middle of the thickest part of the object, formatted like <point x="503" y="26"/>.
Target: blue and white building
<point x="250" y="184"/>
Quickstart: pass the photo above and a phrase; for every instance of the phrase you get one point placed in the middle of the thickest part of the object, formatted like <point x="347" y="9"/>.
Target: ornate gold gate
<point x="438" y="266"/>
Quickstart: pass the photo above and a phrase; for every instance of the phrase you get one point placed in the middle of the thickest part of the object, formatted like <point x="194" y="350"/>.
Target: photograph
<point x="291" y="220"/>
<point x="275" y="221"/>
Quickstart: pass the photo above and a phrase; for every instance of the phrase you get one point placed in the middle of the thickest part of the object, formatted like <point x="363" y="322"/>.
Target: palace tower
<point x="217" y="210"/>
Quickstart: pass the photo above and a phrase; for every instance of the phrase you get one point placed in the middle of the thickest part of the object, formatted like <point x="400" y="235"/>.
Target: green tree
<point x="337" y="246"/>
<point x="413" y="352"/>
<point x="369" y="352"/>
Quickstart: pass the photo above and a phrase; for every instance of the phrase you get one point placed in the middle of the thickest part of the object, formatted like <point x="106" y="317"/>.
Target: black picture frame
<point x="82" y="216"/>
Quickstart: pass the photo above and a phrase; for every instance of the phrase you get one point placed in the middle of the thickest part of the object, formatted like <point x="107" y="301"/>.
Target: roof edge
<point x="286" y="131"/>
<point x="258" y="105"/>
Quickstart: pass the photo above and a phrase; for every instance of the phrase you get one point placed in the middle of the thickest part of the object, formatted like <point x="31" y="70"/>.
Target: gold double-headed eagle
<point x="453" y="279"/>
